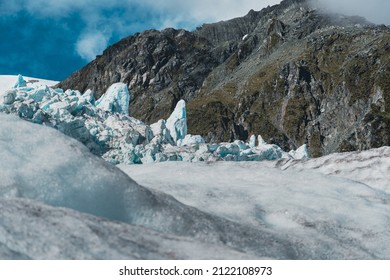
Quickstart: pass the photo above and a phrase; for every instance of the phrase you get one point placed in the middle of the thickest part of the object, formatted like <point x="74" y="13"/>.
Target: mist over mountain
<point x="292" y="72"/>
<point x="375" y="11"/>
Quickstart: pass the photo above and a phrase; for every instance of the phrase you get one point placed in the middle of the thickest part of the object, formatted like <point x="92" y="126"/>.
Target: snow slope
<point x="41" y="164"/>
<point x="368" y="167"/>
<point x="8" y="81"/>
<point x="335" y="207"/>
<point x="252" y="207"/>
<point x="30" y="230"/>
<point x="334" y="217"/>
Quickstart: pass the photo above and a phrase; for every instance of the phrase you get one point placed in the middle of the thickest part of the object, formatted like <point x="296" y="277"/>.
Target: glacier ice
<point x="191" y="140"/>
<point x="89" y="97"/>
<point x="252" y="141"/>
<point x="284" y="209"/>
<point x="31" y="230"/>
<point x="108" y="131"/>
<point x="39" y="93"/>
<point x="260" y="140"/>
<point x="177" y="121"/>
<point x="61" y="172"/>
<point x="255" y="208"/>
<point x="301" y="153"/>
<point x="115" y="100"/>
<point x="8" y="97"/>
<point x="8" y="82"/>
<point x="20" y="82"/>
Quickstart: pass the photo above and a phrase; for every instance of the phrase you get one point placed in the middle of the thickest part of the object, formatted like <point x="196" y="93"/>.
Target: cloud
<point x="105" y="19"/>
<point x="78" y="30"/>
<point x="115" y="19"/>
<point x="201" y="11"/>
<point x="90" y="44"/>
<point x="376" y="11"/>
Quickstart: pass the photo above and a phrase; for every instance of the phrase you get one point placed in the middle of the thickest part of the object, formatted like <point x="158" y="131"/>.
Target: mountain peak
<point x="278" y="72"/>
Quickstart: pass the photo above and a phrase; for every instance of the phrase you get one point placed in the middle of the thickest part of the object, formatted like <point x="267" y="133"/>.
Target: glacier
<point x="105" y="127"/>
<point x="336" y="216"/>
<point x="246" y="210"/>
<point x="69" y="189"/>
<point x="58" y="171"/>
<point x="115" y="100"/>
<point x="177" y="121"/>
<point x="20" y="82"/>
<point x="32" y="230"/>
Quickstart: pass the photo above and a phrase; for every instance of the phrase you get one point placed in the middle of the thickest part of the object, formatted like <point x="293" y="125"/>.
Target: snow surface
<point x="59" y="200"/>
<point x="334" y="217"/>
<point x="368" y="167"/>
<point x="41" y="164"/>
<point x="31" y="230"/>
<point x="8" y="81"/>
<point x="252" y="207"/>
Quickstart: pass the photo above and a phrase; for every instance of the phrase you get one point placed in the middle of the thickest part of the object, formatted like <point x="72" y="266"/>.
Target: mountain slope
<point x="290" y="72"/>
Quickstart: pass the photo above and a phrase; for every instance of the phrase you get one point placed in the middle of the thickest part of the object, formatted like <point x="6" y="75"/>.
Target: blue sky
<point x="53" y="38"/>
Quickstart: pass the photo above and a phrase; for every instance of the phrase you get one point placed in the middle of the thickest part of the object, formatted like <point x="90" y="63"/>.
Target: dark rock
<point x="292" y="73"/>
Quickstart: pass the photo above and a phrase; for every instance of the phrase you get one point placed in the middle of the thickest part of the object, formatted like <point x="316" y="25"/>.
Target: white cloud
<point x="90" y="44"/>
<point x="123" y="17"/>
<point x="196" y="9"/>
<point x="200" y="11"/>
<point x="376" y="11"/>
<point x="205" y="10"/>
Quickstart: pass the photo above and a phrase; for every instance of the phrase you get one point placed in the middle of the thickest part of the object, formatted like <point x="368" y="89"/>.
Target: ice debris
<point x="105" y="127"/>
<point x="301" y="153"/>
<point x="20" y="82"/>
<point x="177" y="121"/>
<point x="8" y="97"/>
<point x="115" y="100"/>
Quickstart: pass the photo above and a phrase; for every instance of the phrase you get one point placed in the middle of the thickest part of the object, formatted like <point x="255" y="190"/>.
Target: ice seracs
<point x="115" y="100"/>
<point x="301" y="153"/>
<point x="105" y="127"/>
<point x="252" y="141"/>
<point x="261" y="141"/>
<point x="177" y="121"/>
<point x="7" y="97"/>
<point x="191" y="140"/>
<point x="20" y="82"/>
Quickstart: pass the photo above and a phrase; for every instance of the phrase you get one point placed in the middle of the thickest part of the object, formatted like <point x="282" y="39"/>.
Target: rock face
<point x="289" y="72"/>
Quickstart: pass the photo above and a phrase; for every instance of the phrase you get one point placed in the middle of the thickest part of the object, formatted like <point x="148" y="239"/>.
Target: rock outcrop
<point x="290" y="72"/>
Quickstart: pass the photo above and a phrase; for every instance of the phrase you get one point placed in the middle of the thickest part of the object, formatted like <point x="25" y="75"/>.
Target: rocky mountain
<point x="291" y="72"/>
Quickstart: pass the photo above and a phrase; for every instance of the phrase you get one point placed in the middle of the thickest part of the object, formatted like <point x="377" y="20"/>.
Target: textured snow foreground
<point x="41" y="165"/>
<point x="330" y="208"/>
<point x="60" y="201"/>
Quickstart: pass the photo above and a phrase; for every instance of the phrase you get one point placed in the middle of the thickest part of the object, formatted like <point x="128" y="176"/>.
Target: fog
<point x="376" y="11"/>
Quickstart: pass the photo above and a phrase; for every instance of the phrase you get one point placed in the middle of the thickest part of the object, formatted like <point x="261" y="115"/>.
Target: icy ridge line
<point x="105" y="127"/>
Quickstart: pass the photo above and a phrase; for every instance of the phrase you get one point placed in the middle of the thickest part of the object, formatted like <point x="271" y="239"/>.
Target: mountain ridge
<point x="290" y="72"/>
